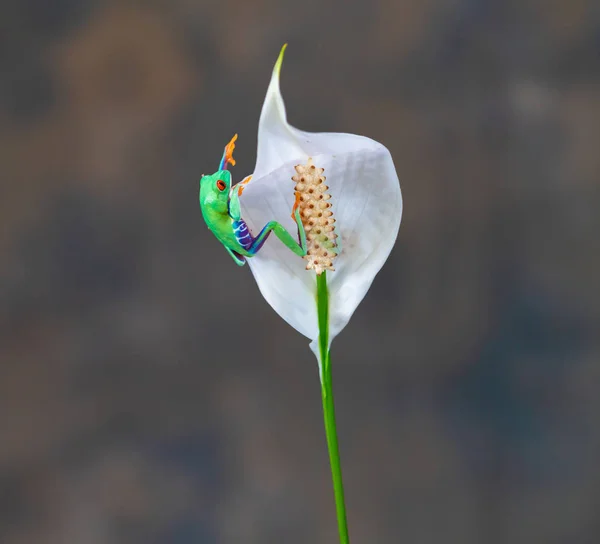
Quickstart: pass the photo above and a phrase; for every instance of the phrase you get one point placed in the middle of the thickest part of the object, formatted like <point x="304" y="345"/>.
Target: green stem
<point x="329" y="408"/>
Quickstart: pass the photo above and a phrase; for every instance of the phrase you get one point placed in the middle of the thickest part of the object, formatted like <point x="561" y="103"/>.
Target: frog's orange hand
<point x="242" y="185"/>
<point x="228" y="154"/>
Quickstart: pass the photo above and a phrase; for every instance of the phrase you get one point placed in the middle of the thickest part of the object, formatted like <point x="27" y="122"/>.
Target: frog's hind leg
<point x="298" y="247"/>
<point x="240" y="260"/>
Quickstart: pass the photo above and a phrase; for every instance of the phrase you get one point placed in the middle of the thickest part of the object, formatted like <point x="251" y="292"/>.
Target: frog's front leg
<point x="239" y="187"/>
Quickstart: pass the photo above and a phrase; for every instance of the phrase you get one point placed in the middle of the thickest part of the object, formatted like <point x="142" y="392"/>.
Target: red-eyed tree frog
<point x="220" y="206"/>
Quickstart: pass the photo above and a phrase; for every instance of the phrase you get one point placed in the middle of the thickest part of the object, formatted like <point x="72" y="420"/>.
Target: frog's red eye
<point x="221" y="185"/>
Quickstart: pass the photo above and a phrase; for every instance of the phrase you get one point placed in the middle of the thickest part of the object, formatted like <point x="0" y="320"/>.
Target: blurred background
<point x="467" y="383"/>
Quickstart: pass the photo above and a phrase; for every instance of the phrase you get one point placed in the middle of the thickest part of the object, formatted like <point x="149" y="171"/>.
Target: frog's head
<point x="214" y="190"/>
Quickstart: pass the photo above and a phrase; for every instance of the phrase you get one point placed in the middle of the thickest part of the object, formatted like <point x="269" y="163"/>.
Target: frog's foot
<point x="228" y="154"/>
<point x="296" y="204"/>
<point x="242" y="185"/>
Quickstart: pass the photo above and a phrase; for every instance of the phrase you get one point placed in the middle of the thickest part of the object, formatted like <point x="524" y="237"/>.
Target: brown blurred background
<point x="468" y="381"/>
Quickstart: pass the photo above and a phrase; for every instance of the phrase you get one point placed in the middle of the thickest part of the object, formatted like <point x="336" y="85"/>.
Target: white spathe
<point x="366" y="202"/>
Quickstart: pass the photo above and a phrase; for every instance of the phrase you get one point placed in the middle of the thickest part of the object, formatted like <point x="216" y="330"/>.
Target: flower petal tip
<point x="279" y="63"/>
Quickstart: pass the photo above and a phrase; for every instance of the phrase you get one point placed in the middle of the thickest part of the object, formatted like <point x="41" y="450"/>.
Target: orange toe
<point x="242" y="185"/>
<point x="296" y="204"/>
<point x="229" y="150"/>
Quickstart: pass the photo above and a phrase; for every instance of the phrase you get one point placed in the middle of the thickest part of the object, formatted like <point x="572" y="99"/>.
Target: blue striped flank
<point x="242" y="233"/>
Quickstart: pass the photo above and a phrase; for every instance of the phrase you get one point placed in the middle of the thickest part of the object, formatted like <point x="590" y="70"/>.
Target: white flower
<point x="366" y="203"/>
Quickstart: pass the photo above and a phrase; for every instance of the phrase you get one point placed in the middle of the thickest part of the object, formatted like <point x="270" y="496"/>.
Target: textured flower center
<point x="316" y="215"/>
